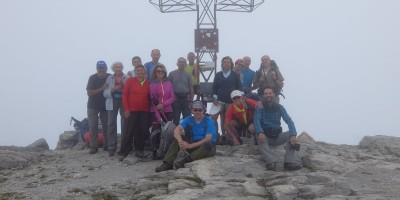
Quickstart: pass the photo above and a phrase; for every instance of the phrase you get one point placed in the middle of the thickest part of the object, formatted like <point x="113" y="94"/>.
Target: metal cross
<point x="206" y="32"/>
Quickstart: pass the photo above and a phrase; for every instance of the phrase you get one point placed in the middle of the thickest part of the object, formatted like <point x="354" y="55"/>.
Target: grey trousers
<point x="180" y="106"/>
<point x="112" y="124"/>
<point x="281" y="139"/>
<point x="93" y="116"/>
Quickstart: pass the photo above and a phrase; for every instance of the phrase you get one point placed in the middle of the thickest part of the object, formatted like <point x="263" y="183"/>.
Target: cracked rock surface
<point x="370" y="170"/>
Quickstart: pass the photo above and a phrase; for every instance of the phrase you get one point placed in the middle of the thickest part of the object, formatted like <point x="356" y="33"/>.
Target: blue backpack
<point x="81" y="127"/>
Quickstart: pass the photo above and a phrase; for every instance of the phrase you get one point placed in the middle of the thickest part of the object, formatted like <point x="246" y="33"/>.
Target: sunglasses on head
<point x="236" y="98"/>
<point x="197" y="110"/>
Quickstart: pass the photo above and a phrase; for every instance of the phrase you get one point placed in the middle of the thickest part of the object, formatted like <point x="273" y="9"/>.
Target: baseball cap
<point x="101" y="64"/>
<point x="236" y="93"/>
<point x="197" y="104"/>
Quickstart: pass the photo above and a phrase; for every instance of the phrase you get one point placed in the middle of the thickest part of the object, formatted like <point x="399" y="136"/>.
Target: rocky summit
<point x="370" y="170"/>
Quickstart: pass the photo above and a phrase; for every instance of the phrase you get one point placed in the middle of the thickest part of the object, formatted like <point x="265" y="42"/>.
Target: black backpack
<point x="188" y="137"/>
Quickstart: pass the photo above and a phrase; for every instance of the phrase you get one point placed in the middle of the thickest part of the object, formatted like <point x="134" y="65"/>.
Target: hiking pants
<point x="180" y="106"/>
<point x="112" y="124"/>
<point x="137" y="126"/>
<point x="281" y="139"/>
<point x="93" y="116"/>
<point x="206" y="150"/>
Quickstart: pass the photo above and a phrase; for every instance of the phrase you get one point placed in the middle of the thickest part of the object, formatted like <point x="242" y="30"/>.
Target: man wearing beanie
<point x="96" y="105"/>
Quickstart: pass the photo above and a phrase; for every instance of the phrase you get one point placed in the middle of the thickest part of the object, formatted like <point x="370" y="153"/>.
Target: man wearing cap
<point x="239" y="116"/>
<point x="96" y="105"/>
<point x="267" y="122"/>
<point x="197" y="142"/>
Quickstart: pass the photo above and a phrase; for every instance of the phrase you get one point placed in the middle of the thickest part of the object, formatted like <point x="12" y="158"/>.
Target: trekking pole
<point x="73" y="119"/>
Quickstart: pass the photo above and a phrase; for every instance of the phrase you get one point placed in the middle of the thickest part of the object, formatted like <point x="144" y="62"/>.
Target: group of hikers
<point x="147" y="97"/>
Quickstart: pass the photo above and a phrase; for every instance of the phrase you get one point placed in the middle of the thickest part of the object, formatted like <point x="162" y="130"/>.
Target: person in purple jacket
<point x="161" y="93"/>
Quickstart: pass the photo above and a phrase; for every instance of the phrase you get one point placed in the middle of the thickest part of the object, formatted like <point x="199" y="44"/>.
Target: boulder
<point x="304" y="137"/>
<point x="67" y="140"/>
<point x="12" y="157"/>
<point x="381" y="145"/>
<point x="40" y="143"/>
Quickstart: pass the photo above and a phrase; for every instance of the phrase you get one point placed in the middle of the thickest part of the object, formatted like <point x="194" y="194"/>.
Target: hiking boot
<point x="139" y="154"/>
<point x="121" y="157"/>
<point x="144" y="156"/>
<point x="111" y="152"/>
<point x="271" y="166"/>
<point x="289" y="166"/>
<point x="164" y="167"/>
<point x="222" y="140"/>
<point x="181" y="163"/>
<point x="93" y="150"/>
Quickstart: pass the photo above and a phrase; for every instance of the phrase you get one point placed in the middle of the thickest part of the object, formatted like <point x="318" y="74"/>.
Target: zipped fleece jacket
<point x="164" y="93"/>
<point x="135" y="96"/>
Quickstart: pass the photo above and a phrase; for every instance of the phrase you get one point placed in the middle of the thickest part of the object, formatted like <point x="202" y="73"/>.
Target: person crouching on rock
<point x="268" y="128"/>
<point x="198" y="141"/>
<point x="239" y="116"/>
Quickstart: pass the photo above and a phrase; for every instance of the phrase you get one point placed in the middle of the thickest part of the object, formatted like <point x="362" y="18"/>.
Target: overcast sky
<point x="339" y="59"/>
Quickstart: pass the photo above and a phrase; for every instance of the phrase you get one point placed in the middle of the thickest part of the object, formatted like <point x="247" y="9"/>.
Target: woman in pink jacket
<point x="162" y="95"/>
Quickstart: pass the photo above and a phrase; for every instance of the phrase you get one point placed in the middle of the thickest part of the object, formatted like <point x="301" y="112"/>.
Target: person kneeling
<point x="199" y="139"/>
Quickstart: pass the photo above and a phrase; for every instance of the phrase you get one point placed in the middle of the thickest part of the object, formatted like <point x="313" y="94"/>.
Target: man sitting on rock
<point x="239" y="116"/>
<point x="267" y="122"/>
<point x="198" y="141"/>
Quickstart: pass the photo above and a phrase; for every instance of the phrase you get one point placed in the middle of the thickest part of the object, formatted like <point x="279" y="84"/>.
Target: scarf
<point x="242" y="111"/>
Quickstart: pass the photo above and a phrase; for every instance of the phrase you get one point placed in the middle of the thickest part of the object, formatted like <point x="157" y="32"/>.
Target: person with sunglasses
<point x="162" y="97"/>
<point x="239" y="116"/>
<point x="198" y="141"/>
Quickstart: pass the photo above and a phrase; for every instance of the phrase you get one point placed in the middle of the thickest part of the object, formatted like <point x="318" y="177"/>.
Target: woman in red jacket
<point x="136" y="102"/>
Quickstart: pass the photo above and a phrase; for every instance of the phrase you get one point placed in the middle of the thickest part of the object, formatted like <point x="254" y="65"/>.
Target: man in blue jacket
<point x="267" y="122"/>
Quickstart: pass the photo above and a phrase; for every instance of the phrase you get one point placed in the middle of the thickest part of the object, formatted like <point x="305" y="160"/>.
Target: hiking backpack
<point x="160" y="138"/>
<point x="277" y="90"/>
<point x="166" y="139"/>
<point x="81" y="127"/>
<point x="188" y="137"/>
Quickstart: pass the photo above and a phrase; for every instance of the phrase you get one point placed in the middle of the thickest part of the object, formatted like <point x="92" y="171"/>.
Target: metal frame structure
<point x="206" y="21"/>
